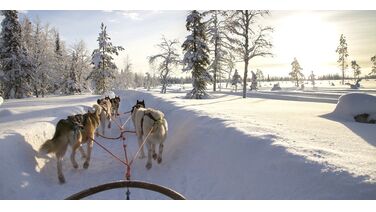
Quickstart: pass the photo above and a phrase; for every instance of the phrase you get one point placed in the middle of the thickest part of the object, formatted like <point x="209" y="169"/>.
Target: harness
<point x="148" y="114"/>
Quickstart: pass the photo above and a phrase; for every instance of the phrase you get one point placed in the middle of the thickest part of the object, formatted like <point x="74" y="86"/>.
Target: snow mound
<point x="6" y="112"/>
<point x="110" y="94"/>
<point x="352" y="104"/>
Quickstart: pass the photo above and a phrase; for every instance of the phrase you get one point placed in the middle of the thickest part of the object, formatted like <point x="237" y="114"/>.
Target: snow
<point x="272" y="145"/>
<point x="352" y="104"/>
<point x="1" y="100"/>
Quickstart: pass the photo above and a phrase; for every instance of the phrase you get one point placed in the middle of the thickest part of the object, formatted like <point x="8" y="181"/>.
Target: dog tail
<point x="48" y="147"/>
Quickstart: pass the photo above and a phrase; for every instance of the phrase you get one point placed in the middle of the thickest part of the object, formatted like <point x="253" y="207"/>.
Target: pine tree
<point x="103" y="62"/>
<point x="249" y="41"/>
<point x="196" y="57"/>
<point x="373" y="70"/>
<point x="356" y="69"/>
<point x="342" y="52"/>
<point x="168" y="59"/>
<point x="296" y="73"/>
<point x="14" y="58"/>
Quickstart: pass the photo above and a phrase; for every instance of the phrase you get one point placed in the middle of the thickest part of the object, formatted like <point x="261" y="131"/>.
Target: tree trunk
<point x="245" y="79"/>
<point x="215" y="69"/>
<point x="343" y="71"/>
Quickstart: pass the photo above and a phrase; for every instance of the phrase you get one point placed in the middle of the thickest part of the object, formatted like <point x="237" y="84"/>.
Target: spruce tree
<point x="15" y="61"/>
<point x="196" y="57"/>
<point x="103" y="61"/>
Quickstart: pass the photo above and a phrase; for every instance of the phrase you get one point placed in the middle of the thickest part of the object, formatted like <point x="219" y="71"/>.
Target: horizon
<point x="310" y="36"/>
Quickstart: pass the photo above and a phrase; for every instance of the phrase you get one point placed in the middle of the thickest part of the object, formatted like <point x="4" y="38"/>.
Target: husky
<point x="106" y="113"/>
<point x="150" y="121"/>
<point x="115" y="103"/>
<point x="69" y="132"/>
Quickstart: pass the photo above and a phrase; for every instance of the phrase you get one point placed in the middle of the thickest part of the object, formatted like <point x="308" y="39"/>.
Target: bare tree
<point x="168" y="59"/>
<point x="248" y="40"/>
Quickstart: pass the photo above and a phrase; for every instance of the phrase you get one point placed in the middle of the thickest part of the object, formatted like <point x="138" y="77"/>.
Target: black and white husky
<point x="150" y="124"/>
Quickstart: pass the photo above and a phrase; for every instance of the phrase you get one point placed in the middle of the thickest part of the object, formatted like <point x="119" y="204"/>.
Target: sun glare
<point x="307" y="37"/>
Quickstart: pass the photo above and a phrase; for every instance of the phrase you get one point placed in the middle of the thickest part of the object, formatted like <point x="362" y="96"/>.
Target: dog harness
<point x="152" y="118"/>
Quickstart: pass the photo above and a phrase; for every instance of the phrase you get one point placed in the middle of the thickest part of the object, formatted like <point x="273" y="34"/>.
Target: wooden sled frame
<point x="130" y="184"/>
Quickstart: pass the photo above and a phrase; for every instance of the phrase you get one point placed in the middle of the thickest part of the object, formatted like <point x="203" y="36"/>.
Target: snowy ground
<point x="272" y="145"/>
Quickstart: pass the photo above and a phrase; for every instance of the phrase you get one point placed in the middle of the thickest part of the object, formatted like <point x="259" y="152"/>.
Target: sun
<point x="309" y="38"/>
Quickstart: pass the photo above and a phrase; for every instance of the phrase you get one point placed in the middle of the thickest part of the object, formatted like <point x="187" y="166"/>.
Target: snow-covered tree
<point x="356" y="69"/>
<point x="43" y="57"/>
<point x="148" y="81"/>
<point x="236" y="78"/>
<point x="342" y="53"/>
<point x="196" y="57"/>
<point x="296" y="73"/>
<point x="312" y="78"/>
<point x="229" y="66"/>
<point x="168" y="59"/>
<point x="128" y="76"/>
<point x="15" y="61"/>
<point x="259" y="74"/>
<point x="78" y="70"/>
<point x="103" y="61"/>
<point x="373" y="69"/>
<point x="216" y="29"/>
<point x="249" y="40"/>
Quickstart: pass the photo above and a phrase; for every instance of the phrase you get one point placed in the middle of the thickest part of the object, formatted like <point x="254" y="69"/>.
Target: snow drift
<point x="352" y="104"/>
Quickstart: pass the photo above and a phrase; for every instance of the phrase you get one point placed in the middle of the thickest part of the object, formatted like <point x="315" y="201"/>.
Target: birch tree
<point x="248" y="39"/>
<point x="167" y="59"/>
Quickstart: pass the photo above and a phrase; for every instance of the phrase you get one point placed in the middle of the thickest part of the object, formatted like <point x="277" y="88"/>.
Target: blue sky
<point x="311" y="36"/>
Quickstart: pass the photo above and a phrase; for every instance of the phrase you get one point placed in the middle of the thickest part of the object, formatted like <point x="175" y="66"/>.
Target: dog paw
<point x="155" y="156"/>
<point x="86" y="165"/>
<point x="148" y="166"/>
<point x="61" y="179"/>
<point x="159" y="160"/>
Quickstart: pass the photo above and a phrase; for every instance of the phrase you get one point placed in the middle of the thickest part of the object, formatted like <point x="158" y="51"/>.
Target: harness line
<point x="126" y="161"/>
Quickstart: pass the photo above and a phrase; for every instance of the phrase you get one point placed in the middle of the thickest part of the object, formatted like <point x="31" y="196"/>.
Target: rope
<point x="126" y="162"/>
<point x="108" y="151"/>
<point x="143" y="143"/>
<point x="126" y="121"/>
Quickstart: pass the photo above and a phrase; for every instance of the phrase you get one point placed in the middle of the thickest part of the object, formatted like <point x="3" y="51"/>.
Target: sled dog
<point x="106" y="113"/>
<point x="115" y="103"/>
<point x="73" y="133"/>
<point x="148" y="120"/>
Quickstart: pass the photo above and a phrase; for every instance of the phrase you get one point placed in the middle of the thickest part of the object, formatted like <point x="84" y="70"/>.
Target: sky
<point x="310" y="36"/>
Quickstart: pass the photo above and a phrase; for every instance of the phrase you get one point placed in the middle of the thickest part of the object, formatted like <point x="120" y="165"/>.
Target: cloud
<point x="132" y="15"/>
